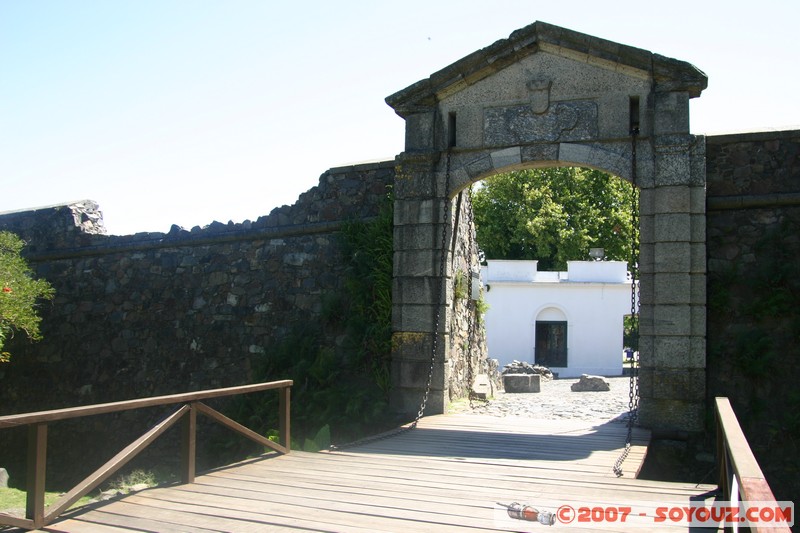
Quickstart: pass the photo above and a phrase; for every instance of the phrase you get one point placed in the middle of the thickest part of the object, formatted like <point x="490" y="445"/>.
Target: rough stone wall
<point x="155" y="313"/>
<point x="468" y="355"/>
<point x="753" y="291"/>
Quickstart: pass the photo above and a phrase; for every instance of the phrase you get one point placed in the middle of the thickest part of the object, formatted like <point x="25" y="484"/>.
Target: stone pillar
<point x="672" y="344"/>
<point x="417" y="293"/>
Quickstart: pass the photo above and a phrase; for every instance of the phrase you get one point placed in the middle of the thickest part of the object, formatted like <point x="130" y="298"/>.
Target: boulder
<point x="523" y="367"/>
<point x="3" y="478"/>
<point x="589" y="383"/>
<point x="516" y="383"/>
<point x="482" y="387"/>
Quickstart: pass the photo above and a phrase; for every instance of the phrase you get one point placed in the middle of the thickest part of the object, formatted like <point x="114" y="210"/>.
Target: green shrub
<point x="19" y="293"/>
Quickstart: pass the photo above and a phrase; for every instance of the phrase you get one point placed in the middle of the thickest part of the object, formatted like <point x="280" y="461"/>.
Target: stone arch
<point x="547" y="96"/>
<point x="509" y="160"/>
<point x="550" y="311"/>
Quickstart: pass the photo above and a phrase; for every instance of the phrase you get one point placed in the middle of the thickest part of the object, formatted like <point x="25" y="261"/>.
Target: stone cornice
<point x="669" y="74"/>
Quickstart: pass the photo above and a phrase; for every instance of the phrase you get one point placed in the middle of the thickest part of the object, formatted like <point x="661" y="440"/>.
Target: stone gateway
<point x="544" y="97"/>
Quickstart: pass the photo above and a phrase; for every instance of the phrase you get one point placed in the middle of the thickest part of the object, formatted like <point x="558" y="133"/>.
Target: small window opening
<point x="451" y="130"/>
<point x="634" y="115"/>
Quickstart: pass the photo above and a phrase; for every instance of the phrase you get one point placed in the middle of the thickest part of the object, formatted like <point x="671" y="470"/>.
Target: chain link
<point x="441" y="291"/>
<point x="633" y="389"/>
<point x="470" y="304"/>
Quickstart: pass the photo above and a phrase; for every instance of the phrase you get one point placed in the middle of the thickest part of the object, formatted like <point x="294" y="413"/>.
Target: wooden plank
<point x="388" y="468"/>
<point x="120" y="515"/>
<point x="366" y="514"/>
<point x="478" y="494"/>
<point x="431" y="486"/>
<point x="416" y="482"/>
<point x="752" y="482"/>
<point x="200" y="519"/>
<point x="437" y="484"/>
<point x="476" y="515"/>
<point x="37" y="463"/>
<point x="412" y="484"/>
<point x="189" y="445"/>
<point x="453" y="454"/>
<point x="284" y="418"/>
<point x="112" y="407"/>
<point x="744" y="462"/>
<point x="238" y="428"/>
<point x="245" y="507"/>
<point x="576" y="440"/>
<point x="88" y="527"/>
<point x="8" y="520"/>
<point x="535" y="451"/>
<point x="307" y="467"/>
<point x="404" y="466"/>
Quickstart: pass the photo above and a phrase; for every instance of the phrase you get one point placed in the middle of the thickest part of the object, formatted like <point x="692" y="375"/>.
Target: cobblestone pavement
<point x="557" y="401"/>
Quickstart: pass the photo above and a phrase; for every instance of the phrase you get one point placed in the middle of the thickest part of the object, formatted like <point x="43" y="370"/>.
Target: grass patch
<point x="12" y="501"/>
<point x="133" y="481"/>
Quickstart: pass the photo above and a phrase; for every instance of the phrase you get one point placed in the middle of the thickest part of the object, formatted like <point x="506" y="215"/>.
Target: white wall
<point x="594" y="312"/>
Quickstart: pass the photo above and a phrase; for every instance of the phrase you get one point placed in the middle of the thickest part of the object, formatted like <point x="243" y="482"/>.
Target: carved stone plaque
<point x="519" y="124"/>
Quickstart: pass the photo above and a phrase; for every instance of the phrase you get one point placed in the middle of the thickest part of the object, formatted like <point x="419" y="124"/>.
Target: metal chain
<point x="441" y="290"/>
<point x="468" y="354"/>
<point x="470" y="305"/>
<point x="633" y="391"/>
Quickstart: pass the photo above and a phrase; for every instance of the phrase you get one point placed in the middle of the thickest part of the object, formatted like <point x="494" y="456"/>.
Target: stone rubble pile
<point x="521" y="367"/>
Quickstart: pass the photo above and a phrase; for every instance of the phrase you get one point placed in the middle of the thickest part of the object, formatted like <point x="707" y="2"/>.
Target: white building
<point x="571" y="322"/>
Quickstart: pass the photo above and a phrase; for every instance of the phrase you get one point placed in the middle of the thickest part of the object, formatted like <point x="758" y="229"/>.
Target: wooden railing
<point x="740" y="477"/>
<point x="36" y="516"/>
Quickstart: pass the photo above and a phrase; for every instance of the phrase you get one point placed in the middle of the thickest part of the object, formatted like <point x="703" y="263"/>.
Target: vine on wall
<point x="340" y="363"/>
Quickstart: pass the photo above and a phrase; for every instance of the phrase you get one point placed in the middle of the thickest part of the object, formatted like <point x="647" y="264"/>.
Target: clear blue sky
<point x="189" y="111"/>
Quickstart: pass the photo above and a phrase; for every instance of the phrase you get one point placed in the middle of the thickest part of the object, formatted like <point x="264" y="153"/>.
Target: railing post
<point x="189" y="445"/>
<point x="37" y="464"/>
<point x="284" y="417"/>
<point x="721" y="454"/>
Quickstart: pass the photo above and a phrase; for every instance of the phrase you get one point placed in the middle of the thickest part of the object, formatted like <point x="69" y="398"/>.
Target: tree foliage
<point x="554" y="215"/>
<point x="19" y="293"/>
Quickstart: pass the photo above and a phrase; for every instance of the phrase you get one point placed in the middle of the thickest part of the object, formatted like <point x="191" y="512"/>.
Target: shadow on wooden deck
<point x="548" y="441"/>
<point x="447" y="475"/>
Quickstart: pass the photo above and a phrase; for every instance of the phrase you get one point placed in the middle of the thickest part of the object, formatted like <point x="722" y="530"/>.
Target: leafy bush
<point x="19" y="293"/>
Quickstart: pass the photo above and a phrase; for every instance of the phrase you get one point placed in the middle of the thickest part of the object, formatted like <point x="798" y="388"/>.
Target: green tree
<point x="554" y="215"/>
<point x="19" y="293"/>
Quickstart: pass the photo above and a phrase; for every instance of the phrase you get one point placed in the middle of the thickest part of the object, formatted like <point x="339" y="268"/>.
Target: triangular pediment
<point x="668" y="74"/>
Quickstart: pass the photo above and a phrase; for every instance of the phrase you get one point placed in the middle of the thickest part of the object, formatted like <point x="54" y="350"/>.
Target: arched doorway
<point x="547" y="96"/>
<point x="551" y="338"/>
